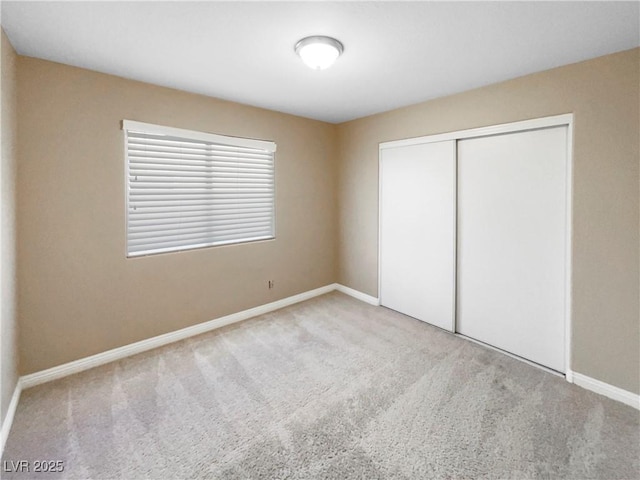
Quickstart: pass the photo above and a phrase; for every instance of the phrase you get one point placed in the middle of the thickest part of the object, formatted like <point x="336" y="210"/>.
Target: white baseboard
<point x="605" y="389"/>
<point x="568" y="376"/>
<point x="86" y="363"/>
<point x="357" y="294"/>
<point x="8" y="419"/>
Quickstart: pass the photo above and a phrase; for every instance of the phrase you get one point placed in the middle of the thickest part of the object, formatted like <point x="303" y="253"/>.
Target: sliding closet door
<point x="511" y="242"/>
<point x="417" y="231"/>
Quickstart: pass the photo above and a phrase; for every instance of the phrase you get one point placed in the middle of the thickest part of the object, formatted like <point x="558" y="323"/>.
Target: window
<point x="190" y="189"/>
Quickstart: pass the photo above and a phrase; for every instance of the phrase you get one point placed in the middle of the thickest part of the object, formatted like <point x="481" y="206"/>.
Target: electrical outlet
<point x="271" y="284"/>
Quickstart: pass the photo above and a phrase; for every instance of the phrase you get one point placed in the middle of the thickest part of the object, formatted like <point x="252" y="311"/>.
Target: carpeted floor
<point x="329" y="388"/>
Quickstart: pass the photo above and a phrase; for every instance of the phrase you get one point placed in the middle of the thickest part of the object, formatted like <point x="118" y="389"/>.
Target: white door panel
<point x="511" y="242"/>
<point x="417" y="231"/>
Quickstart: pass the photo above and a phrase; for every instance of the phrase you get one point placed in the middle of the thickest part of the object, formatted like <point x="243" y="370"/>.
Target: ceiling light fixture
<point x="319" y="52"/>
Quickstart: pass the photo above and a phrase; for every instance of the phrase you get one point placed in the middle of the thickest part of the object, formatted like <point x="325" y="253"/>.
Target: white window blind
<point x="193" y="189"/>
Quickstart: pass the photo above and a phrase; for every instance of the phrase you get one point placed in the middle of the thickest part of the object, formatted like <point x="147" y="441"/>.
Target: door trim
<point x="520" y="126"/>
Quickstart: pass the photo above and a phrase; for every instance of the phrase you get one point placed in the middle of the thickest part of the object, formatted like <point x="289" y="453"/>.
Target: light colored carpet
<point x="329" y="388"/>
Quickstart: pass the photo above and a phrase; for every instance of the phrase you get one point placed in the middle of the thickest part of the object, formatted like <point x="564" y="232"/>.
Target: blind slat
<point x="198" y="159"/>
<point x="142" y="180"/>
<point x="184" y="211"/>
<point x="186" y="222"/>
<point x="198" y="238"/>
<point x="149" y="250"/>
<point x="160" y="168"/>
<point x="149" y="207"/>
<point x="195" y="222"/>
<point x="184" y="233"/>
<point x="151" y="164"/>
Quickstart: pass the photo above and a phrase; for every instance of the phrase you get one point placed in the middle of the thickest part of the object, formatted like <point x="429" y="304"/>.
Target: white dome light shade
<point x="319" y="52"/>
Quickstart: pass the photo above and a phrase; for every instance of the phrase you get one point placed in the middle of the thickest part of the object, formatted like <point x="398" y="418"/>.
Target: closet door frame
<point x="521" y="126"/>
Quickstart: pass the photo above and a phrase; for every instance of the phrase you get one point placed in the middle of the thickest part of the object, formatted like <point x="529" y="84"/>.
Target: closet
<point x="474" y="234"/>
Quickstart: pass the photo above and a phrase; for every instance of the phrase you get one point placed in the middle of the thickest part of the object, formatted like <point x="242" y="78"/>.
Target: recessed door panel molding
<point x="512" y="238"/>
<point x="417" y="231"/>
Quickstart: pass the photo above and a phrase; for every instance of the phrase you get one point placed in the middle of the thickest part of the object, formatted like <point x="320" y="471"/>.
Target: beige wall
<point x="8" y="320"/>
<point x="78" y="294"/>
<point x="603" y="94"/>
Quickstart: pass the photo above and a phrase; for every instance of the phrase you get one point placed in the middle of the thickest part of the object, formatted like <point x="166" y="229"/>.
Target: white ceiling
<point x="396" y="53"/>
